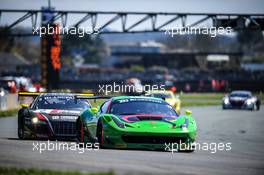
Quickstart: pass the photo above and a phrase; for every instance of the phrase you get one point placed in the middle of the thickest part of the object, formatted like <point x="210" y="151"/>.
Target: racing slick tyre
<point x="80" y="132"/>
<point x="20" y="129"/>
<point x="100" y="134"/>
<point x="189" y="148"/>
<point x="186" y="151"/>
<point x="21" y="133"/>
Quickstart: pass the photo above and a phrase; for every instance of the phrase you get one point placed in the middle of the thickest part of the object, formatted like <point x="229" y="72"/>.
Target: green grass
<point x="201" y="103"/>
<point x="201" y="99"/>
<point x="215" y="96"/>
<point x="8" y="113"/>
<point x="205" y="96"/>
<point x="188" y="99"/>
<point x="33" y="171"/>
<point x="205" y="99"/>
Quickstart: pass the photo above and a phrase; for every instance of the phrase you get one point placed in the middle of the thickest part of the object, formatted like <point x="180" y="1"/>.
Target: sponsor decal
<point x="57" y="117"/>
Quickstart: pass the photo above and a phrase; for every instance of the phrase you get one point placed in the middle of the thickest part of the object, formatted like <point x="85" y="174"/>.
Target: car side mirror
<point x="188" y="112"/>
<point x="94" y="110"/>
<point x="24" y="105"/>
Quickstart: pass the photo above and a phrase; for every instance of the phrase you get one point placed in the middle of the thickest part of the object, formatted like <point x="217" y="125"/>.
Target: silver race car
<point x="241" y="100"/>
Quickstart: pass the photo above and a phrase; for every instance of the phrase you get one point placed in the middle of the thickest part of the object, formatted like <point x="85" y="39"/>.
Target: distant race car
<point x="50" y="116"/>
<point x="169" y="97"/>
<point x="241" y="100"/>
<point x="135" y="122"/>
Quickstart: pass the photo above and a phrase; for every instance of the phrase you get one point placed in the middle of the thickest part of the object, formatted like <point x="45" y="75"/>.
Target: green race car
<point x="135" y="123"/>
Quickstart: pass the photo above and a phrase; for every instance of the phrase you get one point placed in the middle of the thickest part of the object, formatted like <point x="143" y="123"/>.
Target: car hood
<point x="152" y="121"/>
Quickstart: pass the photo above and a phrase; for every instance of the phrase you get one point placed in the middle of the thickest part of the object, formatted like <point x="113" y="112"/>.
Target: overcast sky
<point x="205" y="6"/>
<point x="236" y="6"/>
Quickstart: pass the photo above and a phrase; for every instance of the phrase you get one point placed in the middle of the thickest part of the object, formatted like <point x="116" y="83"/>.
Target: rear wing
<point x="78" y="96"/>
<point x="28" y="94"/>
<point x="84" y="94"/>
<point x="35" y="94"/>
<point x="92" y="97"/>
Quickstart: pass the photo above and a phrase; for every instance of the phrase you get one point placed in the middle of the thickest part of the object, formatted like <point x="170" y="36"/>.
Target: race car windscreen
<point x="242" y="95"/>
<point x="130" y="107"/>
<point x="61" y="102"/>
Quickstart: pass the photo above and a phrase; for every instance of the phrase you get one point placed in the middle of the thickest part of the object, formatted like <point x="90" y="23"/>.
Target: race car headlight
<point x="249" y="102"/>
<point x="184" y="127"/>
<point x="172" y="103"/>
<point x="34" y="120"/>
<point x="118" y="123"/>
<point x="226" y="101"/>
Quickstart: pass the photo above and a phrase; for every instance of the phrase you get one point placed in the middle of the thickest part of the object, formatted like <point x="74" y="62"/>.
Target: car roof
<point x="138" y="97"/>
<point x="241" y="92"/>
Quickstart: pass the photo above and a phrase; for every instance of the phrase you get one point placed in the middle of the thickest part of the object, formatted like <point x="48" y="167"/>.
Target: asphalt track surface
<point x="244" y="129"/>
